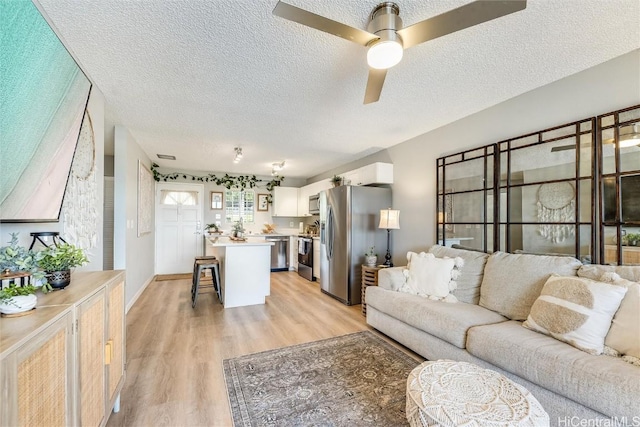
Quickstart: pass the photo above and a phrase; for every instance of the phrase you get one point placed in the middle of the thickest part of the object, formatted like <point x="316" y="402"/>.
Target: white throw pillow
<point x="624" y="335"/>
<point x="430" y="276"/>
<point x="576" y="310"/>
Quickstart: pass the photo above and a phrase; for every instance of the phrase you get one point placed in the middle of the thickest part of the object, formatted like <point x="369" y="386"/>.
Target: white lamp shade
<point x="389" y="219"/>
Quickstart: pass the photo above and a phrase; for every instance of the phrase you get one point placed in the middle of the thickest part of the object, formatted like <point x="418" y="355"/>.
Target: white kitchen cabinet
<point x="303" y="200"/>
<point x="375" y="173"/>
<point x="293" y="253"/>
<point x="285" y="201"/>
<point x="316" y="258"/>
<point x="352" y="178"/>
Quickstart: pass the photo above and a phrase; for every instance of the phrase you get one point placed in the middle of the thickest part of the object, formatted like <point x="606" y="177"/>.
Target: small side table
<point x="369" y="278"/>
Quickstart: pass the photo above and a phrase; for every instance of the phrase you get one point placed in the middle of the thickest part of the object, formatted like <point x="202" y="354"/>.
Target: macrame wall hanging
<point x="80" y="199"/>
<point x="556" y="203"/>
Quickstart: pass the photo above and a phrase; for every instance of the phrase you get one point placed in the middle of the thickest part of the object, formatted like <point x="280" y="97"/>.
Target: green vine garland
<point x="241" y="182"/>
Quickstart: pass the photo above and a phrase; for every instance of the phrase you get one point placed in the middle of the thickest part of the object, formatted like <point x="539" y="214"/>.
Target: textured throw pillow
<point x="430" y="276"/>
<point x="468" y="289"/>
<point x="624" y="335"/>
<point x="512" y="282"/>
<point x="576" y="310"/>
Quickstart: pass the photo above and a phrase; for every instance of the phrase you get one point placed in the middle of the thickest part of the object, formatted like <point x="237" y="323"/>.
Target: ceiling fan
<point x="386" y="38"/>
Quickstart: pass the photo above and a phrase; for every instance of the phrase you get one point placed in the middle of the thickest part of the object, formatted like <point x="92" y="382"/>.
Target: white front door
<point x="179" y="209"/>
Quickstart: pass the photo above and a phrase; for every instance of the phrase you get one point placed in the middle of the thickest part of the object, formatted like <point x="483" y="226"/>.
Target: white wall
<point x="283" y="225"/>
<point x="604" y="88"/>
<point x="96" y="110"/>
<point x="133" y="253"/>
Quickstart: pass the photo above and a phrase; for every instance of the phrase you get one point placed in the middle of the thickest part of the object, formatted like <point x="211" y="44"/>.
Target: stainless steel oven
<point x="305" y="257"/>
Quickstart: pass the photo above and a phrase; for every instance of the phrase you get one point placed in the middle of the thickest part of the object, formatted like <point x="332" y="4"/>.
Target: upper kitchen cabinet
<point x="285" y="201"/>
<point x="303" y="201"/>
<point x="375" y="173"/>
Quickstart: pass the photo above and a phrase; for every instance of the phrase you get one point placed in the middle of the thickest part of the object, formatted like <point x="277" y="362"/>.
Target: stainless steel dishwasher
<point x="279" y="252"/>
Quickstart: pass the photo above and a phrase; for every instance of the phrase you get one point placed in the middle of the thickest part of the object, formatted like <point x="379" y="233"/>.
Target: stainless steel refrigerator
<point x="349" y="218"/>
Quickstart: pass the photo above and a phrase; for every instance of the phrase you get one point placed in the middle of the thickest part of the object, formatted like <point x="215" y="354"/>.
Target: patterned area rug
<point x="352" y="380"/>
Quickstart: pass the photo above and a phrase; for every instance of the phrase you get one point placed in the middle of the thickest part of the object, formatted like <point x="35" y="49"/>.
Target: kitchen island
<point x="244" y="269"/>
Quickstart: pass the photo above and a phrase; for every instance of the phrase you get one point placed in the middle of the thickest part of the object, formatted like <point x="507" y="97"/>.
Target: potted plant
<point x="237" y="230"/>
<point x="57" y="262"/>
<point x="633" y="239"/>
<point x="370" y="257"/>
<point x="16" y="299"/>
<point x="213" y="228"/>
<point x="15" y="260"/>
<point x="336" y="180"/>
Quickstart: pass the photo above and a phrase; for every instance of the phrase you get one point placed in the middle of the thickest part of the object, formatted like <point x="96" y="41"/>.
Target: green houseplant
<point x="18" y="258"/>
<point x="370" y="257"/>
<point x="237" y="229"/>
<point x="16" y="299"/>
<point x="336" y="180"/>
<point x="57" y="262"/>
<point x="633" y="239"/>
<point x="213" y="228"/>
<point x="19" y="263"/>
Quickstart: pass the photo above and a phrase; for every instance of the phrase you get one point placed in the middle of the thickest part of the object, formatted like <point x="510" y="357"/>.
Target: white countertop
<point x="226" y="241"/>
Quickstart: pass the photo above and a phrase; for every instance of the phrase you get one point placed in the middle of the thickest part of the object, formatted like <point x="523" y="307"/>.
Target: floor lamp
<point x="389" y="220"/>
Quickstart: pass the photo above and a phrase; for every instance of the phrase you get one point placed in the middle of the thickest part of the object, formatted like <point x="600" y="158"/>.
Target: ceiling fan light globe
<point x="629" y="136"/>
<point x="384" y="54"/>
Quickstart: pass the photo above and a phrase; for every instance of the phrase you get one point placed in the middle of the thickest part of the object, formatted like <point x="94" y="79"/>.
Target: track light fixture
<point x="276" y="168"/>
<point x="238" y="156"/>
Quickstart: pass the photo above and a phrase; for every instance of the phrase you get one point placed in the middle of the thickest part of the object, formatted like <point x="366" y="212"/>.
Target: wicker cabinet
<point x="630" y="255"/>
<point x="37" y="381"/>
<point x="369" y="278"/>
<point x="64" y="363"/>
<point x="115" y="345"/>
<point x="91" y="343"/>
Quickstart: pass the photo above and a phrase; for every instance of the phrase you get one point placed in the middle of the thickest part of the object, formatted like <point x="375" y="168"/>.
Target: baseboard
<point x="140" y="291"/>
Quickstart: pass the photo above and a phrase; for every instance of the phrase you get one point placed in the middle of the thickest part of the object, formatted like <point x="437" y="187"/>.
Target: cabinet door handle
<point x="108" y="352"/>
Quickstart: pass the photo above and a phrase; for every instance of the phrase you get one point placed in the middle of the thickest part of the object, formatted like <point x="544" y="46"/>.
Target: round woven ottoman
<point x="448" y="393"/>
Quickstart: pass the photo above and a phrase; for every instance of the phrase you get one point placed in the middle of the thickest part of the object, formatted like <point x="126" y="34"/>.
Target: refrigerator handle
<point x="329" y="233"/>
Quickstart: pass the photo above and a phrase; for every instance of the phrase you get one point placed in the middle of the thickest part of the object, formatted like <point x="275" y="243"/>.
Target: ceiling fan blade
<point x="458" y="19"/>
<point x="374" y="85"/>
<point x="563" y="148"/>
<point x="321" y="23"/>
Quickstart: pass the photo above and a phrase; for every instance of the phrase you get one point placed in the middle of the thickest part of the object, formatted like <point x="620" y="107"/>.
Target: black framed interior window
<point x="619" y="179"/>
<point x="571" y="190"/>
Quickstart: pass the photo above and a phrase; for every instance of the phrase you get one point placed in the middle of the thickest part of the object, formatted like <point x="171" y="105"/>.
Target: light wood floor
<point x="175" y="353"/>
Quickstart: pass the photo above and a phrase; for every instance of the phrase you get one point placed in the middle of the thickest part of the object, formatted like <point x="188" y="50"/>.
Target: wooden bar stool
<point x="199" y="266"/>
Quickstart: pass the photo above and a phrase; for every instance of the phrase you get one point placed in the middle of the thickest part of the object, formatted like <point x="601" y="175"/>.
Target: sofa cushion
<point x="595" y="272"/>
<point x="391" y="278"/>
<point x="449" y="322"/>
<point x="512" y="282"/>
<point x="576" y="310"/>
<point x="604" y="383"/>
<point x="470" y="277"/>
<point x="624" y="335"/>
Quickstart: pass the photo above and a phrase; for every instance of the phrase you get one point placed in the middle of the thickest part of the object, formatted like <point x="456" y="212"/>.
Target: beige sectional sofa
<point x="495" y="294"/>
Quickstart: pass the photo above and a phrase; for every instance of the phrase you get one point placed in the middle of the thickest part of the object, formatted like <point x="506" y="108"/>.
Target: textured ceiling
<point x="196" y="78"/>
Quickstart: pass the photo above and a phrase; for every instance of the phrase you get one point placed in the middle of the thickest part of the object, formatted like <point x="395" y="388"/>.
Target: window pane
<point x="630" y="159"/>
<point x="239" y="205"/>
<point x="182" y="198"/>
<point x="630" y="196"/>
<point x="464" y="176"/>
<point x="586" y="254"/>
<point x="585" y="200"/>
<point x="549" y="239"/>
<point x="468" y="207"/>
